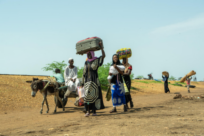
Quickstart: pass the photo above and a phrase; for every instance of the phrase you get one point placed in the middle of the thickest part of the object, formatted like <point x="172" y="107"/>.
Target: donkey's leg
<point x="60" y="101"/>
<point x="47" y="105"/>
<point x="56" y="94"/>
<point x="42" y="103"/>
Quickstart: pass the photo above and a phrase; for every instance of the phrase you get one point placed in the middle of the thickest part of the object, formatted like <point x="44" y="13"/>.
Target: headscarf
<point x="93" y="56"/>
<point x="118" y="62"/>
<point x="127" y="65"/>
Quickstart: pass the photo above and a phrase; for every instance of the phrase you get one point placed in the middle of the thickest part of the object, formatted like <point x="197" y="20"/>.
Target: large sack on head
<point x="124" y="53"/>
<point x="188" y="75"/>
<point x="165" y="73"/>
<point x="88" y="44"/>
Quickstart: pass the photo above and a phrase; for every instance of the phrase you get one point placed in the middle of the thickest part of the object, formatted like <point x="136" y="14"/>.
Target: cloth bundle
<point x="114" y="71"/>
<point x="80" y="100"/>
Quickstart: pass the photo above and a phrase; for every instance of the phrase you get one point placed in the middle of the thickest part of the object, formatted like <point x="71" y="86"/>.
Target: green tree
<point x="140" y="76"/>
<point x="103" y="73"/>
<point x="52" y="66"/>
<point x="172" y="78"/>
<point x="80" y="72"/>
<point x="132" y="76"/>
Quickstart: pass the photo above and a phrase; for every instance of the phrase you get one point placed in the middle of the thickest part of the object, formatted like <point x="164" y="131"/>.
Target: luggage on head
<point x="88" y="44"/>
<point x="124" y="53"/>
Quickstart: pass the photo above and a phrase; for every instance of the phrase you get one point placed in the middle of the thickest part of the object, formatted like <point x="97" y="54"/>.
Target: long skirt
<point x="128" y="84"/>
<point x="118" y="94"/>
<point x="166" y="88"/>
<point x="98" y="104"/>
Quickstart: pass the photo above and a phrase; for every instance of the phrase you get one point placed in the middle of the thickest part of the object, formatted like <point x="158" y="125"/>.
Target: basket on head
<point x="165" y="73"/>
<point x="124" y="53"/>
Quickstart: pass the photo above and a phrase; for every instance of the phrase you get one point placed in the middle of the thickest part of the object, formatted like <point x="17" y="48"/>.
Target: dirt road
<point x="155" y="114"/>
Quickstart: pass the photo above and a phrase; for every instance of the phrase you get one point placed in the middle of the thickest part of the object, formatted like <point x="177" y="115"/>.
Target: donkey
<point x="37" y="84"/>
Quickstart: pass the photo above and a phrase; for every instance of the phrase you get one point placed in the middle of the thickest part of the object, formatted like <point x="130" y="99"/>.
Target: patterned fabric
<point x="118" y="94"/>
<point x="98" y="104"/>
<point x="94" y="65"/>
<point x="91" y="92"/>
<point x="98" y="82"/>
<point x="92" y="88"/>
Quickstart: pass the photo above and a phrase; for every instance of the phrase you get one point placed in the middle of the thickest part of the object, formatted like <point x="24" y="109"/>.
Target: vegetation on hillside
<point x="103" y="71"/>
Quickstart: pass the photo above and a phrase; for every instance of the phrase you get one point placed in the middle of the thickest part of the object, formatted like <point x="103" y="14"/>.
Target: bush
<point x="103" y="72"/>
<point x="139" y="76"/>
<point x="172" y="78"/>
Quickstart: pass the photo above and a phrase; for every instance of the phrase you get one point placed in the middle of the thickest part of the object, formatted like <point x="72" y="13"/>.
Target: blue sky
<point x="163" y="35"/>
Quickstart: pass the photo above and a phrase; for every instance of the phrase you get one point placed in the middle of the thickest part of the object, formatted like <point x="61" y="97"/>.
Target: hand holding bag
<point x="108" y="94"/>
<point x="125" y="87"/>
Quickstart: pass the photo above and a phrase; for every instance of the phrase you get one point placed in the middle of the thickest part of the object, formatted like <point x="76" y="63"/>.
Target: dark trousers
<point x="89" y="107"/>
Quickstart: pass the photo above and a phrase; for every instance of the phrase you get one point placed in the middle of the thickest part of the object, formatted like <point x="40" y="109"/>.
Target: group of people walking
<point x="120" y="75"/>
<point x="93" y="99"/>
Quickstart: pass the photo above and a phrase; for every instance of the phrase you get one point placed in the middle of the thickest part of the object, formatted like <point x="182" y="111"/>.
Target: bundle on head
<point x="124" y="53"/>
<point x="165" y="73"/>
<point x="188" y="75"/>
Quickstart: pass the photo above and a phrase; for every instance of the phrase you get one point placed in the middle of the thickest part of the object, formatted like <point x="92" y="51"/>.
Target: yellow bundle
<point x="124" y="53"/>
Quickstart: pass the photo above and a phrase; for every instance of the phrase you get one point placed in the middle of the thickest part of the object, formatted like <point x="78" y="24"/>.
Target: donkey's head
<point x="36" y="85"/>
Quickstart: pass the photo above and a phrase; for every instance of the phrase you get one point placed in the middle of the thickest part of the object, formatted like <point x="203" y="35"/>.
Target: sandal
<point x="125" y="108"/>
<point x="87" y="114"/>
<point x="94" y="114"/>
<point x="113" y="110"/>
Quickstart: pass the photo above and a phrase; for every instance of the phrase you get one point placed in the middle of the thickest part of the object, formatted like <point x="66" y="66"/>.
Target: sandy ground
<point x="154" y="113"/>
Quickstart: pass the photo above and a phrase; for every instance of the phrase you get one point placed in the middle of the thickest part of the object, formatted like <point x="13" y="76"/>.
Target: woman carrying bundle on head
<point x="117" y="87"/>
<point x="126" y="75"/>
<point x="165" y="79"/>
<point x="93" y="96"/>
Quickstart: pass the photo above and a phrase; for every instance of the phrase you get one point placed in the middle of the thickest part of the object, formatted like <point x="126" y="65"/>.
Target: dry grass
<point x="15" y="93"/>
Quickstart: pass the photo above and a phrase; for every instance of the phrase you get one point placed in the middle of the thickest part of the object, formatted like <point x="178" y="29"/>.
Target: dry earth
<point x="154" y="113"/>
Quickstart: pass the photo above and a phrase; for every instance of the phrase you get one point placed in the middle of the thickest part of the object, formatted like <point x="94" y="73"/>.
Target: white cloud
<point x="191" y="24"/>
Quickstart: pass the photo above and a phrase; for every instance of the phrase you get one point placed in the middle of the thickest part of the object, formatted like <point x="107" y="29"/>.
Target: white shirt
<point x="70" y="74"/>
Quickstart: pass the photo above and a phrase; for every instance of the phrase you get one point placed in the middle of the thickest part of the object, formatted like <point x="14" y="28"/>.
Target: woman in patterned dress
<point x="92" y="88"/>
<point x="117" y="87"/>
<point x="126" y="75"/>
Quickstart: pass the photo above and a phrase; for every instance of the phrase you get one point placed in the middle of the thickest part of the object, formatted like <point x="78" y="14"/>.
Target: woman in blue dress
<point x="117" y="87"/>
